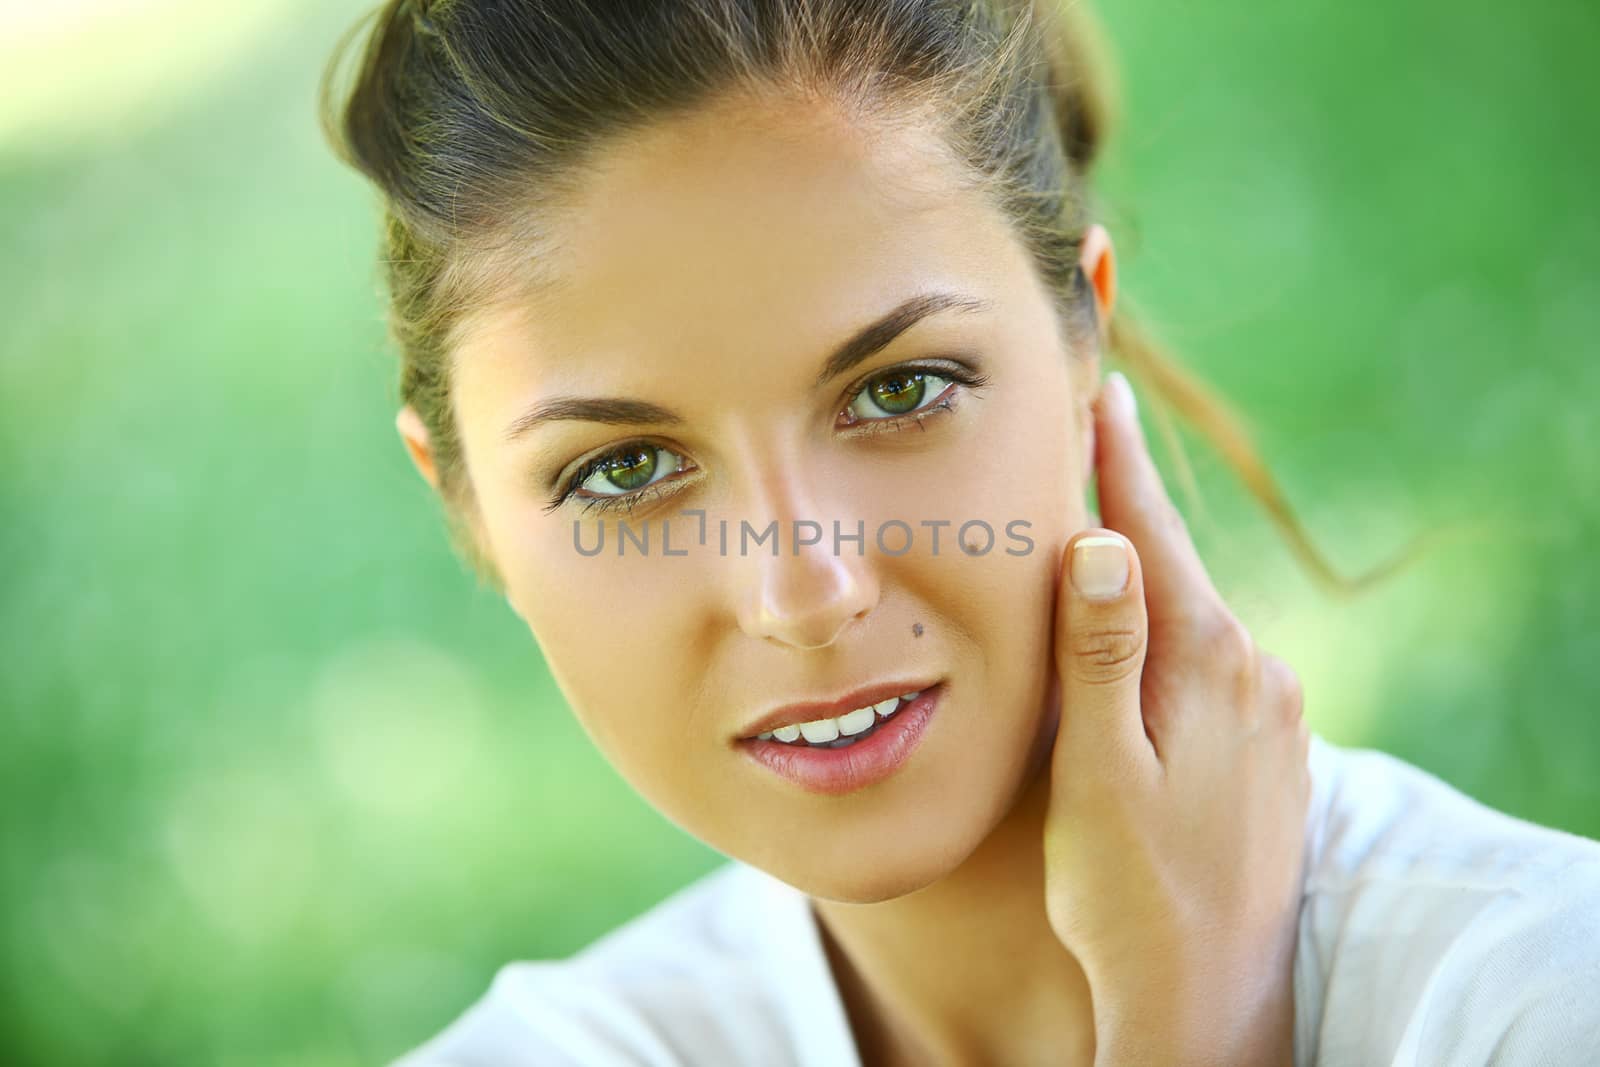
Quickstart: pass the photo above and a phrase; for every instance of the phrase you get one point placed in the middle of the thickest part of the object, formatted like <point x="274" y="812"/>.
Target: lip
<point x="795" y="714"/>
<point x="836" y="771"/>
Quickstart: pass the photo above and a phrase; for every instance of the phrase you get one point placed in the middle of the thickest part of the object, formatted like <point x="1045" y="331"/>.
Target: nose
<point x="806" y="595"/>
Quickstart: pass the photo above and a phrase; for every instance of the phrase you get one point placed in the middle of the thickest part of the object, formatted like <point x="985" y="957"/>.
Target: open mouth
<point x="843" y="730"/>
<point x="834" y="761"/>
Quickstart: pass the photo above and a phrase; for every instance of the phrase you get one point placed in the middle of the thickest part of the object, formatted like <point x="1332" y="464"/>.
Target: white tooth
<point x="765" y="736"/>
<point x="908" y="697"/>
<point x="820" y="730"/>
<point x="786" y="733"/>
<point x="856" y="721"/>
<point x="885" y="707"/>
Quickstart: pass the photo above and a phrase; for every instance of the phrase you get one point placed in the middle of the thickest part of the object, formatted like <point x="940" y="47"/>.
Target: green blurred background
<point x="282" y="786"/>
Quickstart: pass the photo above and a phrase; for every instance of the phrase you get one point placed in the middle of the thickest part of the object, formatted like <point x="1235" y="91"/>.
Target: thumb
<point x="1102" y="634"/>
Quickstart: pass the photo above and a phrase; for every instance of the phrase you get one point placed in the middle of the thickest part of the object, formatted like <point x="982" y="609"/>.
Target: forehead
<point x="763" y="226"/>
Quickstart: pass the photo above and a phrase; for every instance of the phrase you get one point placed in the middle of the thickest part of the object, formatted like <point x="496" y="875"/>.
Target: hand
<point x="1174" y="837"/>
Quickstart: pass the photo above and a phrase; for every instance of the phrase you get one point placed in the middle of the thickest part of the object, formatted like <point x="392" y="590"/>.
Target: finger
<point x="1101" y="638"/>
<point x="1134" y="500"/>
<point x="1281" y="688"/>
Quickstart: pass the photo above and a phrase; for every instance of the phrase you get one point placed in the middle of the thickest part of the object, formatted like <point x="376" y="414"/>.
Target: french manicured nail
<point x="1124" y="388"/>
<point x="1099" y="567"/>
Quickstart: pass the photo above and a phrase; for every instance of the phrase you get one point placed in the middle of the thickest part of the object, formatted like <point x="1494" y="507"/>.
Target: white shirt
<point x="1433" y="931"/>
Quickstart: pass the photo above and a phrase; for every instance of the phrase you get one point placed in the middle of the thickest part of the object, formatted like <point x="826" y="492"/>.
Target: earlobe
<point x="418" y="443"/>
<point x="1099" y="263"/>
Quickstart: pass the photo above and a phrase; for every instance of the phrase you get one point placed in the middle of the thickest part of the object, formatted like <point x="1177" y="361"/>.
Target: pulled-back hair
<point x="475" y="118"/>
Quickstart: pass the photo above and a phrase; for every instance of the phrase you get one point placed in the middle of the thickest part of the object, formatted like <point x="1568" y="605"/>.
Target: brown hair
<point x="474" y="119"/>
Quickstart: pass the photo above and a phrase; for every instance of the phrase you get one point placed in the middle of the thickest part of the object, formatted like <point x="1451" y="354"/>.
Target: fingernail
<point x="1099" y="567"/>
<point x="1124" y="389"/>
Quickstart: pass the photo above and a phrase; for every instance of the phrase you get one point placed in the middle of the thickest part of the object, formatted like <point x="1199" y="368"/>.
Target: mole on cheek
<point x="916" y="629"/>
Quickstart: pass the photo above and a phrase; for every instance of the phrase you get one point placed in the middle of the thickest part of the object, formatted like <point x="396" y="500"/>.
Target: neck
<point x="967" y="969"/>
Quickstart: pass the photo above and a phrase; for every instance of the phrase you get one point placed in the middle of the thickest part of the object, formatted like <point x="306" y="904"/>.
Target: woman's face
<point x="713" y="266"/>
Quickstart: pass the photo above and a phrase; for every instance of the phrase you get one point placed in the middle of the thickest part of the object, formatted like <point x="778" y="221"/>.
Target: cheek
<point x="1025" y="463"/>
<point x="622" y="639"/>
<point x="1024" y="467"/>
<point x="611" y="630"/>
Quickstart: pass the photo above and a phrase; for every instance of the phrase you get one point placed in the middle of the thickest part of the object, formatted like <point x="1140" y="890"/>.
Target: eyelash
<point x="969" y="378"/>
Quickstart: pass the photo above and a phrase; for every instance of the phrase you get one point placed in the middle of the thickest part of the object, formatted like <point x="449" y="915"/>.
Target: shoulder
<point x="699" y="978"/>
<point x="1521" y="984"/>
<point x="1375" y="816"/>
<point x="1435" y="929"/>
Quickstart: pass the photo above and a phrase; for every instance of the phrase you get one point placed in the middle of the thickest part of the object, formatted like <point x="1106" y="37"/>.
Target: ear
<point x="1099" y="262"/>
<point x="415" y="436"/>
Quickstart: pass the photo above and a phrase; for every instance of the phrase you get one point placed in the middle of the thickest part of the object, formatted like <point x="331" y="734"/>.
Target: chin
<point x="869" y="883"/>
<point x="881" y="859"/>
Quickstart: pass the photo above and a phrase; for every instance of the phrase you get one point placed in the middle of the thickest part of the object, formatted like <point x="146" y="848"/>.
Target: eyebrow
<point x="861" y="346"/>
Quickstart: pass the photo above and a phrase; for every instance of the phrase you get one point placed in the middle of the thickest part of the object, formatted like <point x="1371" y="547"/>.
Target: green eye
<point x="621" y="471"/>
<point x="899" y="392"/>
<point x="629" y="468"/>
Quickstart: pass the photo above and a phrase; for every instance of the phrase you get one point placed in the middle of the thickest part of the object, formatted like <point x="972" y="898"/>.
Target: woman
<point x="1001" y="780"/>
